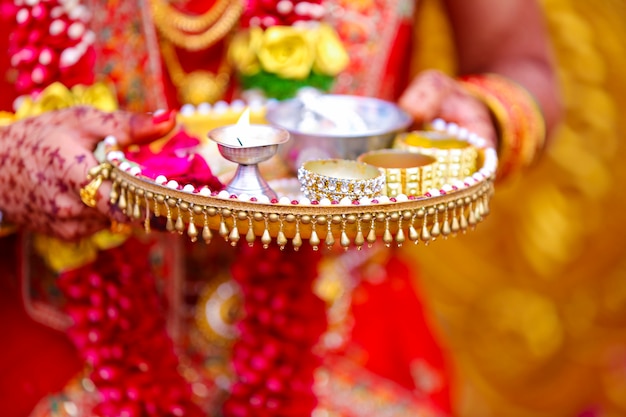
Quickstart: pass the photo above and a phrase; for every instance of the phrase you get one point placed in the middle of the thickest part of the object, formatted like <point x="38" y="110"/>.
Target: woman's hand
<point x="433" y="95"/>
<point x="44" y="163"/>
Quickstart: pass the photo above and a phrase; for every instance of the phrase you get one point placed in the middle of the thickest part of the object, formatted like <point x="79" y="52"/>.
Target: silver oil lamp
<point x="248" y="145"/>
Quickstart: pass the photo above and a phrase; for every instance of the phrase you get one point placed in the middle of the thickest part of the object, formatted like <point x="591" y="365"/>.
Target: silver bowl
<point x="335" y="126"/>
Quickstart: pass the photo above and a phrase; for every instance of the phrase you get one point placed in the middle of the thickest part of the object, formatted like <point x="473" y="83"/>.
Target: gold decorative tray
<point x="453" y="208"/>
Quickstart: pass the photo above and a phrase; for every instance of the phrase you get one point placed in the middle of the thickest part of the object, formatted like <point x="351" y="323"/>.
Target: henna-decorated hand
<point x="433" y="95"/>
<point x="44" y="162"/>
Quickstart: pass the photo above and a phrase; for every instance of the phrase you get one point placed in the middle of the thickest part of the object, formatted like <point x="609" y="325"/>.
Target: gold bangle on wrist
<point x="519" y="121"/>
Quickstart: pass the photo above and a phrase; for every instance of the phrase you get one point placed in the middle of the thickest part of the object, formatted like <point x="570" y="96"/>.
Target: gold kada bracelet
<point x="519" y="121"/>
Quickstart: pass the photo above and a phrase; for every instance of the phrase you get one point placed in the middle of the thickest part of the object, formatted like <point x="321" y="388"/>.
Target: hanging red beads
<point x="274" y="358"/>
<point x="120" y="331"/>
<point x="51" y="42"/>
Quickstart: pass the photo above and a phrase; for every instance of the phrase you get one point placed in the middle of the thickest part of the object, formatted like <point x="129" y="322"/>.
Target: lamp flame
<point x="244" y="119"/>
<point x="243" y="125"/>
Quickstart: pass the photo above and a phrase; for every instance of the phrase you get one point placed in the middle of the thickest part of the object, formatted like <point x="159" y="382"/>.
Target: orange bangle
<point x="520" y="124"/>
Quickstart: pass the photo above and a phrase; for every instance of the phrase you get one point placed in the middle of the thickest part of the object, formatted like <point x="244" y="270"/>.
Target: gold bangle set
<point x="455" y="158"/>
<point x="519" y="120"/>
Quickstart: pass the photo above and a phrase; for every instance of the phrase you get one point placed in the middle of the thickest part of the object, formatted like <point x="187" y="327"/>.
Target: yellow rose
<point x="242" y="52"/>
<point x="54" y="97"/>
<point x="287" y="51"/>
<point x="98" y="95"/>
<point x="331" y="57"/>
<point x="57" y="96"/>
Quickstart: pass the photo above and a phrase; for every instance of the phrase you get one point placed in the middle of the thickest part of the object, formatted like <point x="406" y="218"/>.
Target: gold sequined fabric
<point x="533" y="303"/>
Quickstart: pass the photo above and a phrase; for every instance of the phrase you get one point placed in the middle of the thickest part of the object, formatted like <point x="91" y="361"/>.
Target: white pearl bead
<point x="89" y="38"/>
<point x="458" y="184"/>
<point x="439" y="124"/>
<point x="205" y="192"/>
<point x="22" y="15"/>
<point x="37" y="75"/>
<point x="134" y="170"/>
<point x="263" y="199"/>
<point x="305" y="201"/>
<point x="188" y="188"/>
<point x="383" y="199"/>
<point x="220" y="107"/>
<point x="453" y="129"/>
<point x="317" y="11"/>
<point x="45" y="57"/>
<point x="346" y="201"/>
<point x="161" y="179"/>
<point x="401" y="198"/>
<point x="302" y="8"/>
<point x="124" y="166"/>
<point x="204" y="108"/>
<point x="223" y="194"/>
<point x="284" y="7"/>
<point x="325" y="202"/>
<point x="237" y="105"/>
<point x="187" y="110"/>
<point x="69" y="57"/>
<point x="57" y="12"/>
<point x="173" y="184"/>
<point x="110" y="140"/>
<point x="76" y="30"/>
<point x="115" y="156"/>
<point x="284" y="200"/>
<point x="485" y="172"/>
<point x="57" y="27"/>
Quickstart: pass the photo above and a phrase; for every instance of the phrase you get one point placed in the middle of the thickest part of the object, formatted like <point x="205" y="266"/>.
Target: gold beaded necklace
<point x="198" y="86"/>
<point x="191" y="32"/>
<point x="196" y="32"/>
<point x="166" y="14"/>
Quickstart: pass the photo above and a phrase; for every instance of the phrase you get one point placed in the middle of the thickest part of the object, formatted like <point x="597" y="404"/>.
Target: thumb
<point x="127" y="127"/>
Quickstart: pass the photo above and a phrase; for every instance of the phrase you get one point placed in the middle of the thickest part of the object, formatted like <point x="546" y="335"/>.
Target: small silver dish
<point x="335" y="126"/>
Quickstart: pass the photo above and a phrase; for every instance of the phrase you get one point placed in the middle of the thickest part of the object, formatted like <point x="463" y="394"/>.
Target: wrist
<point x="519" y="123"/>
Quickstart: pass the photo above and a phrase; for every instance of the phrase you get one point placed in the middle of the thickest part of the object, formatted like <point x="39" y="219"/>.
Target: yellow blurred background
<point x="533" y="303"/>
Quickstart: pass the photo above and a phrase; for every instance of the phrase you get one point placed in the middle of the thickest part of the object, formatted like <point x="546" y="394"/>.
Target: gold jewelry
<point x="166" y="14"/>
<point x="518" y="118"/>
<point x="456" y="158"/>
<point x="89" y="192"/>
<point x="195" y="87"/>
<point x="211" y="29"/>
<point x="218" y="309"/>
<point x="407" y="173"/>
<point x="336" y="179"/>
